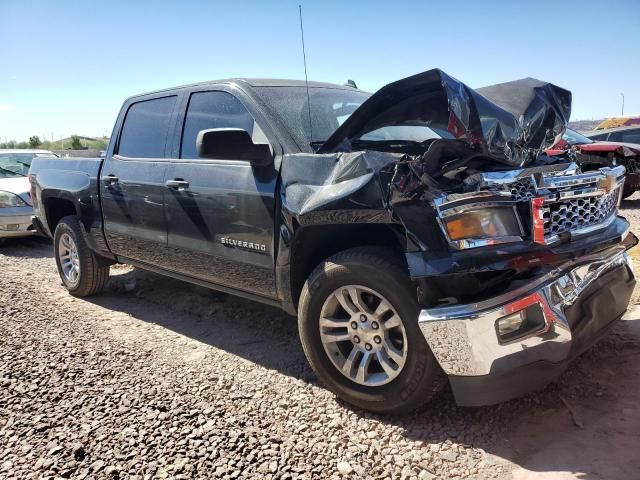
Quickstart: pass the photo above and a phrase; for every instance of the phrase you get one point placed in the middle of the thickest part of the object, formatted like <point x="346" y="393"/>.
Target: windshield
<point x="403" y="133"/>
<point x="330" y="107"/>
<point x="17" y="164"/>
<point x="574" y="138"/>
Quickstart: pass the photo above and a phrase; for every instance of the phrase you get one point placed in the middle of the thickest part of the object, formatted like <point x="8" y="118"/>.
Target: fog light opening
<point x="520" y="324"/>
<point x="511" y="323"/>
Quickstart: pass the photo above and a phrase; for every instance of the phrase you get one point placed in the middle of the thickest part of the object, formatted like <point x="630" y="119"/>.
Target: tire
<point x="628" y="190"/>
<point x="91" y="278"/>
<point x="381" y="272"/>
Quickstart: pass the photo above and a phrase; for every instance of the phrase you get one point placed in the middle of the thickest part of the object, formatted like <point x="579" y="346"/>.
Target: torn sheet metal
<point x="511" y="123"/>
<point x="313" y="182"/>
<point x="360" y="187"/>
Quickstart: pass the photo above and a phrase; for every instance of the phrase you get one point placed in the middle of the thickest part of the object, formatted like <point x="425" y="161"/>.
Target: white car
<point x="15" y="197"/>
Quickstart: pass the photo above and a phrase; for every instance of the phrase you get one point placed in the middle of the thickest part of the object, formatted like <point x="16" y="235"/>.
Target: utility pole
<point x="622" y="114"/>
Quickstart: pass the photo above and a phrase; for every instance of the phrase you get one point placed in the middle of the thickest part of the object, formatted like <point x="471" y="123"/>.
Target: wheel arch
<point x="314" y="244"/>
<point x="56" y="208"/>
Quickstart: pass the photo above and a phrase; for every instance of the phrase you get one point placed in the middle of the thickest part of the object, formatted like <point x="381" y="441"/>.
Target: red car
<point x="603" y="154"/>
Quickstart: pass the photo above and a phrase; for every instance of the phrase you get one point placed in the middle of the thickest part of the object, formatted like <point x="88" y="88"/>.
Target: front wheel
<point x="358" y="322"/>
<point x="78" y="266"/>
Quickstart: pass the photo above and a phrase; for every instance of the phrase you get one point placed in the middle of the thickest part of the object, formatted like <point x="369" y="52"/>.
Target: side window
<point x="145" y="129"/>
<point x="212" y="110"/>
<point x="599" y="138"/>
<point x="628" y="136"/>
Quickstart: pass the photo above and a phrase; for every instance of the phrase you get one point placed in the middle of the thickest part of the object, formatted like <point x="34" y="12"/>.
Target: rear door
<point x="132" y="182"/>
<point x="220" y="213"/>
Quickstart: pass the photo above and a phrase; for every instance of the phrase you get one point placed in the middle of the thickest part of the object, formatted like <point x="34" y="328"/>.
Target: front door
<point x="220" y="213"/>
<point x="132" y="183"/>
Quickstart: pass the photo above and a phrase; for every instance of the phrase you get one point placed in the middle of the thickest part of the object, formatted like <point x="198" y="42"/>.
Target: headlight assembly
<point x="8" y="199"/>
<point x="483" y="223"/>
<point x="477" y="219"/>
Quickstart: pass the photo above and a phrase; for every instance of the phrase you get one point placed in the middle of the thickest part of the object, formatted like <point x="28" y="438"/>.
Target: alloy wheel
<point x="363" y="335"/>
<point x="69" y="258"/>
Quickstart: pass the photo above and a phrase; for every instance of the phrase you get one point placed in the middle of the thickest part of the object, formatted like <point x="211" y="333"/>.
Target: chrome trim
<point x="483" y="242"/>
<point x="467" y="207"/>
<point x="457" y="201"/>
<point x="463" y="337"/>
<point x="585" y="192"/>
<point x="488" y="179"/>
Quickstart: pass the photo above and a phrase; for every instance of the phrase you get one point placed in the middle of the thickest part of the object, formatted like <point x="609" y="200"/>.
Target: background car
<point x="15" y="199"/>
<point x="629" y="134"/>
<point x="604" y="153"/>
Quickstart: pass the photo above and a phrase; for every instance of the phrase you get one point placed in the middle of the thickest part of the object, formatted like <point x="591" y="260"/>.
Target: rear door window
<point x="145" y="129"/>
<point x="208" y="110"/>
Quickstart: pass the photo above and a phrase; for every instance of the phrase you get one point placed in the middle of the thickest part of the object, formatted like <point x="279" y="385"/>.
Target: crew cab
<point x="420" y="234"/>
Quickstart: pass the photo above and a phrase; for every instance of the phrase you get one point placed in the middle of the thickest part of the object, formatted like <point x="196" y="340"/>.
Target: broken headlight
<point x="479" y="219"/>
<point x="485" y="223"/>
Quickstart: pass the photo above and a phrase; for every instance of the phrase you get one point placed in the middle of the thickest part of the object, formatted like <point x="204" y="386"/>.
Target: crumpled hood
<point x="511" y="122"/>
<point x="18" y="185"/>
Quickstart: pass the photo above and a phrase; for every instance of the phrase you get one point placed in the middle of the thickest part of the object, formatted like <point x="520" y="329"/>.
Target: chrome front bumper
<point x="465" y="341"/>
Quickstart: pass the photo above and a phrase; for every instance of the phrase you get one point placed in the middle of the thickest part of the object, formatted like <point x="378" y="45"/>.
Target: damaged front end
<point x="480" y="178"/>
<point x="519" y="256"/>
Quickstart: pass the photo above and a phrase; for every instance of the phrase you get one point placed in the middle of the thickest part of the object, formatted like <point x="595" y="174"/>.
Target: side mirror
<point x="232" y="144"/>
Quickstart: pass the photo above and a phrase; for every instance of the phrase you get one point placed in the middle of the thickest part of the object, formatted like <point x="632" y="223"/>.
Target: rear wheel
<point x="78" y="266"/>
<point x="358" y="326"/>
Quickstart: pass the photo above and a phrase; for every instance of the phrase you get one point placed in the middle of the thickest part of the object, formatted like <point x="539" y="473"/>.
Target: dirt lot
<point x="160" y="379"/>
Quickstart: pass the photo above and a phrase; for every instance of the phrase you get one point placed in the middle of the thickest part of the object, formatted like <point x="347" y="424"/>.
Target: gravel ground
<point x="160" y="379"/>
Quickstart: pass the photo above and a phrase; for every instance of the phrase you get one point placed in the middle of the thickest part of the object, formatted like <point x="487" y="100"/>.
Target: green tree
<point x="22" y="145"/>
<point x="75" y="143"/>
<point x="34" y="142"/>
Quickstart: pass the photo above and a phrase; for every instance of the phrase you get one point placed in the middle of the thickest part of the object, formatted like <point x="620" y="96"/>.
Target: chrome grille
<point x="521" y="190"/>
<point x="579" y="213"/>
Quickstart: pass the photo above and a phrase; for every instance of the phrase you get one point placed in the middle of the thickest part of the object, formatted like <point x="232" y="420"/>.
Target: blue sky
<point x="66" y="66"/>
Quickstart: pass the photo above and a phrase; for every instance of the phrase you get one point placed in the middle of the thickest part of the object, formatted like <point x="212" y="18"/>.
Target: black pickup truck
<point x="420" y="234"/>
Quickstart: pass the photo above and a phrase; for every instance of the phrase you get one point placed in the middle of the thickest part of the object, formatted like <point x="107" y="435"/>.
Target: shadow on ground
<point x="631" y="204"/>
<point x="31" y="247"/>
<point x="586" y="424"/>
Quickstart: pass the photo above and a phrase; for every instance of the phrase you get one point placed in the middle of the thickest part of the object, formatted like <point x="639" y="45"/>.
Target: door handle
<point x="110" y="179"/>
<point x="177" y="184"/>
